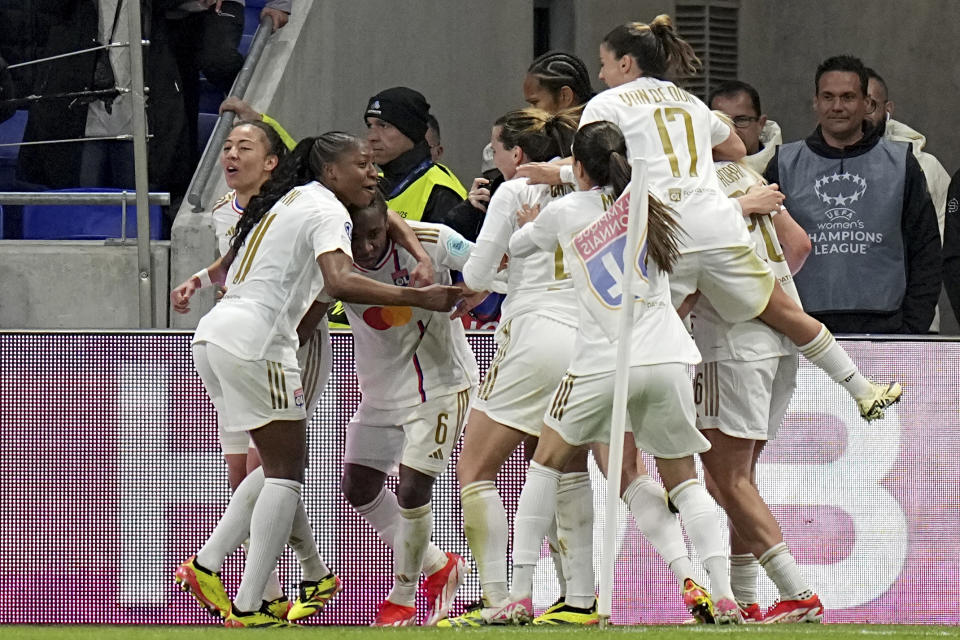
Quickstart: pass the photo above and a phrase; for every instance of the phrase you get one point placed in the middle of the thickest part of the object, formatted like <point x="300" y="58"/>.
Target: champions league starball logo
<point x="839" y="190"/>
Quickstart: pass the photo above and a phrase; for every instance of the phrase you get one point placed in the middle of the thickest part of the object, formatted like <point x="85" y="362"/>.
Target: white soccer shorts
<point x="745" y="400"/>
<point x="735" y="280"/>
<point x="533" y="353"/>
<point x="660" y="410"/>
<point x="420" y="437"/>
<point x="247" y="394"/>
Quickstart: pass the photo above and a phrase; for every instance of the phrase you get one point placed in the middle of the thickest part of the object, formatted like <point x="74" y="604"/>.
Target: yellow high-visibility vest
<point x="411" y="202"/>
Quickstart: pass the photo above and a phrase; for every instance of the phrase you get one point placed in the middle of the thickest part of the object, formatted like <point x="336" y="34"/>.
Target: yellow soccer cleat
<point x="883" y="395"/>
<point x="204" y="585"/>
<point x="254" y="619"/>
<point x="566" y="614"/>
<point x="278" y="607"/>
<point x="314" y="595"/>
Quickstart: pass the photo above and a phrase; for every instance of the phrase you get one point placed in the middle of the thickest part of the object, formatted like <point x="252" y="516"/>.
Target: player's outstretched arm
<point x="342" y="283"/>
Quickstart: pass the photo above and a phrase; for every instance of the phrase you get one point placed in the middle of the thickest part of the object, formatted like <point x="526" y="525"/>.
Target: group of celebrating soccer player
<point x="302" y="228"/>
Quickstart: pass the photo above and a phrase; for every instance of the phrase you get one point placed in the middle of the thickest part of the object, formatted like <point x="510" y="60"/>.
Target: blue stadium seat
<point x="11" y="131"/>
<point x="85" y="222"/>
<point x="251" y="19"/>
<point x="205" y="124"/>
<point x="245" y="42"/>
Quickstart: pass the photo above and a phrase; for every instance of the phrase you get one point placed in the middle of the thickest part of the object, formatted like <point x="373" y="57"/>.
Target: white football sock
<point x="575" y="524"/>
<point x="647" y="501"/>
<point x="305" y="546"/>
<point x="781" y="567"/>
<point x="413" y="535"/>
<point x="485" y="525"/>
<point x="274" y="589"/>
<point x="383" y="514"/>
<point x="270" y="527"/>
<point x="824" y="352"/>
<point x="234" y="525"/>
<point x="702" y="524"/>
<point x="535" y="510"/>
<point x="744" y="571"/>
<point x="556" y="554"/>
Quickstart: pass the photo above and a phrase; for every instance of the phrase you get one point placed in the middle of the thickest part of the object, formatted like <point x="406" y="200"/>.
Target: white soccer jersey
<point x="718" y="339"/>
<point x="534" y="283"/>
<point x="675" y="133"/>
<point x="275" y="277"/>
<point x="226" y="214"/>
<point x="658" y="333"/>
<point x="407" y="355"/>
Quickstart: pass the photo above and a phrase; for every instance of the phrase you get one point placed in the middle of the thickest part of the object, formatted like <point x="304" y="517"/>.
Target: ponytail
<point x="657" y="47"/>
<point x="602" y="152"/>
<point x="539" y="134"/>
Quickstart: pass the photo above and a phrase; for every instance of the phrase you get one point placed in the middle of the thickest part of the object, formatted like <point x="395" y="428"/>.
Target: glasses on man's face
<point x="742" y="122"/>
<point x="871" y="106"/>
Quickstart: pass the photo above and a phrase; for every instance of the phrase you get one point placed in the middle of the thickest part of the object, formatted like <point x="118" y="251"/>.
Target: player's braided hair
<point x="656" y="47"/>
<point x="302" y="165"/>
<point x="600" y="148"/>
<point x="542" y="136"/>
<point x="557" y="69"/>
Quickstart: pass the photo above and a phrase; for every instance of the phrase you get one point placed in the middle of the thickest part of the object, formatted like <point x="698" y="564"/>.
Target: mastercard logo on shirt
<point x="382" y="318"/>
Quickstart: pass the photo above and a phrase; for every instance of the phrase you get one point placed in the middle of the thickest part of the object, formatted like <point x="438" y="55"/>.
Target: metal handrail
<point x="68" y="197"/>
<point x="211" y="152"/>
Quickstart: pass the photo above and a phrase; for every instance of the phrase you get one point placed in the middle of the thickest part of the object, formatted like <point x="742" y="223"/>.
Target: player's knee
<point x="415" y="488"/>
<point x="359" y="488"/>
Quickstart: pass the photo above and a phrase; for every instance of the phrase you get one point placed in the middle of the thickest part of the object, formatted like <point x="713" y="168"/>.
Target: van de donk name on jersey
<point x="600" y="250"/>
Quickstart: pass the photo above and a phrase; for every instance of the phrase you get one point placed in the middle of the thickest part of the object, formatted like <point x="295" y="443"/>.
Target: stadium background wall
<point x="111" y="475"/>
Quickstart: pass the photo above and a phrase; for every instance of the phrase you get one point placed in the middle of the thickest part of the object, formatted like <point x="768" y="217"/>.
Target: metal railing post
<point x="144" y="257"/>
<point x="210" y="155"/>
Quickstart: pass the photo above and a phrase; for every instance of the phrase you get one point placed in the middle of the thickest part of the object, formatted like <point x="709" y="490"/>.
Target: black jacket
<point x="441" y="198"/>
<point x="921" y="242"/>
<point x="951" y="245"/>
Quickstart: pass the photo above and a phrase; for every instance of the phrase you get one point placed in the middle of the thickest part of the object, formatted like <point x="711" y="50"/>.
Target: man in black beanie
<point x="413" y="185"/>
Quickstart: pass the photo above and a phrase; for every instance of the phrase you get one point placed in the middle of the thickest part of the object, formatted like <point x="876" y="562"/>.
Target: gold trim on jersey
<point x="561" y="396"/>
<point x="277" y="381"/>
<point x="225" y="200"/>
<point x="290" y="197"/>
<point x="252" y="247"/>
<point x="486" y="388"/>
<point x="427" y="235"/>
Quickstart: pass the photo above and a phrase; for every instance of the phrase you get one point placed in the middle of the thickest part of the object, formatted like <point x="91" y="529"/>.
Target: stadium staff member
<point x="413" y="184"/>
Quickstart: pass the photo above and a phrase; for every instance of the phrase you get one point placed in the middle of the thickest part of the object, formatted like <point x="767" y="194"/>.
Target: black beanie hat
<point x="404" y="108"/>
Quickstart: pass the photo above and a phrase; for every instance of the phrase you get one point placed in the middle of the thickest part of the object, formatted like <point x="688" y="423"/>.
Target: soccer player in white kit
<point x="660" y="404"/>
<point x="751" y="355"/>
<point x="296" y="223"/>
<point x="416" y="373"/>
<point x="679" y="137"/>
<point x="249" y="156"/>
<point x="537" y="325"/>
